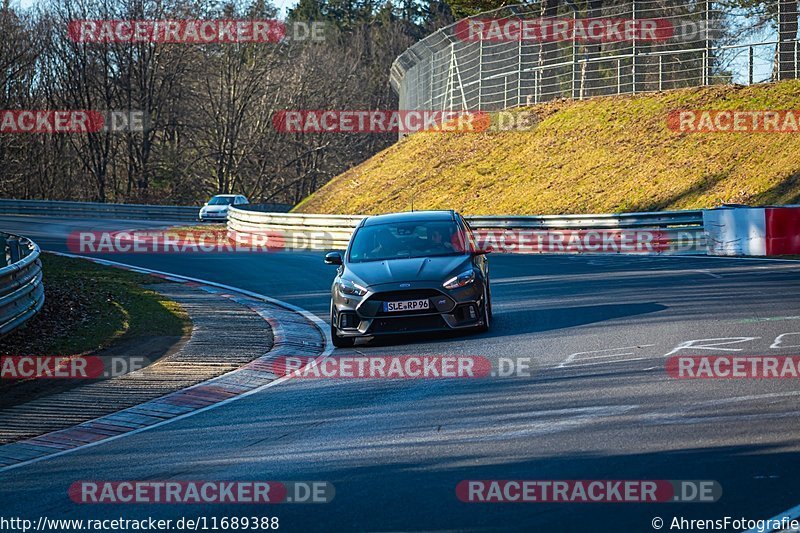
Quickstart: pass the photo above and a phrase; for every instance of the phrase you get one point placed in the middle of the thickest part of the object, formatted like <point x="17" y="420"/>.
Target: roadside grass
<point x="605" y="155"/>
<point x="89" y="307"/>
<point x="200" y="228"/>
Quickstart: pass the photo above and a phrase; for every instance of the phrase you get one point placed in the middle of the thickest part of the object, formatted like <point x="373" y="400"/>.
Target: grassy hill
<point x="612" y="154"/>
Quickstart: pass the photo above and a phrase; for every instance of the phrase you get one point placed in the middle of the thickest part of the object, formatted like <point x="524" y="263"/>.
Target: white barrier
<point x="736" y="231"/>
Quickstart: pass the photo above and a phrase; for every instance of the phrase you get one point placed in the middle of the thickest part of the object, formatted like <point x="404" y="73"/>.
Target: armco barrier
<point x="21" y="287"/>
<point x="171" y="213"/>
<point x="99" y="210"/>
<point x="679" y="232"/>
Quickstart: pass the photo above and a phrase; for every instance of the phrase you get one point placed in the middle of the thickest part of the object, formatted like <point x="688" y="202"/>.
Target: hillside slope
<point x="597" y="156"/>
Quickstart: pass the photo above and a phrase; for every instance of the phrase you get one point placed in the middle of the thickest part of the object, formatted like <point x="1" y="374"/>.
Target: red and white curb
<point x="296" y="332"/>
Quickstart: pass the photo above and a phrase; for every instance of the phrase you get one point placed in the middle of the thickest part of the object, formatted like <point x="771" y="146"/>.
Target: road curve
<point x="599" y="406"/>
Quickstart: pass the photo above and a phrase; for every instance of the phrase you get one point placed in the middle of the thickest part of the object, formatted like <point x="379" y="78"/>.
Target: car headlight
<point x="350" y="288"/>
<point x="462" y="280"/>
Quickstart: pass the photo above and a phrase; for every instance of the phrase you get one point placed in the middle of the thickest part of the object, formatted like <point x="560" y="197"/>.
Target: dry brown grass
<point x="596" y="156"/>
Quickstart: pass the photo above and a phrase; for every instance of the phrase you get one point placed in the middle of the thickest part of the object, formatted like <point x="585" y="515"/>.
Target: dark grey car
<point x="408" y="273"/>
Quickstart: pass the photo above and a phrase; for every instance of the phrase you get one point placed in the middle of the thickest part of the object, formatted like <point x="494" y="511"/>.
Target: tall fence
<point x="527" y="54"/>
<point x="21" y="287"/>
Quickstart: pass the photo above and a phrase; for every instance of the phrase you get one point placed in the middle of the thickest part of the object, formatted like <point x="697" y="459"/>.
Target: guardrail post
<point x="13" y="250"/>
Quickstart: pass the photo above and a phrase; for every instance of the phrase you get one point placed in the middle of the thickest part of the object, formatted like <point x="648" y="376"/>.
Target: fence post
<point x="619" y="76"/>
<point x="635" y="51"/>
<point x="583" y="78"/>
<point x="660" y="73"/>
<point x="574" y="52"/>
<point x="708" y="51"/>
<point x="480" y="74"/>
<point x="751" y="64"/>
<point x="519" y="73"/>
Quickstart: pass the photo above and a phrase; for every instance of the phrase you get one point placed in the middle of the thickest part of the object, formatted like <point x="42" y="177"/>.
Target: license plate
<point x="407" y="305"/>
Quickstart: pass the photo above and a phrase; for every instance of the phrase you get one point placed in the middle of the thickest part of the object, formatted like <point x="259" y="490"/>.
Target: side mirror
<point x="333" y="258"/>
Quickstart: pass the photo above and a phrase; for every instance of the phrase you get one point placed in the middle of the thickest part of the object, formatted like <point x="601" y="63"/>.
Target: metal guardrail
<point x="99" y="210"/>
<point x="677" y="232"/>
<point x="295" y="230"/>
<point x="172" y="213"/>
<point x="21" y="287"/>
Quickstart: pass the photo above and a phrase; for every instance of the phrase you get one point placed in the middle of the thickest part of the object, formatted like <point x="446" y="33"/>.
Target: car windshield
<point x="406" y="240"/>
<point x="221" y="200"/>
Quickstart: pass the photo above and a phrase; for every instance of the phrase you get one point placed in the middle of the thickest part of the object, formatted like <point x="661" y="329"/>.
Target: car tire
<point x="487" y="311"/>
<point x="489" y="300"/>
<point x="340" y="342"/>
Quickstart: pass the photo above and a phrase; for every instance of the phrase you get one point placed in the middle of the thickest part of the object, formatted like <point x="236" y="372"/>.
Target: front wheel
<point x="338" y="341"/>
<point x="487" y="310"/>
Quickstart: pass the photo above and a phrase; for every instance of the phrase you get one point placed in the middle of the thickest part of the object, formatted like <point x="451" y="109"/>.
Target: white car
<point x="217" y="207"/>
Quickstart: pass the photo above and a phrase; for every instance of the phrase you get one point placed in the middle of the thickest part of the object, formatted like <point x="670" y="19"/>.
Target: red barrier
<point x="783" y="231"/>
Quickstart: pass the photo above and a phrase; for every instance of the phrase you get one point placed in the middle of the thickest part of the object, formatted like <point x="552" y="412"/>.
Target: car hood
<point x="216" y="208"/>
<point x="409" y="270"/>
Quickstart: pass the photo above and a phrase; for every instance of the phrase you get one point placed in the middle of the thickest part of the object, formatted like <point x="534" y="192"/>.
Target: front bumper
<point x="449" y="310"/>
<point x="216" y="215"/>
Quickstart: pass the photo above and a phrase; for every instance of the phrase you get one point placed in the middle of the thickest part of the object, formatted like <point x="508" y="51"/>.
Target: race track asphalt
<point x="599" y="404"/>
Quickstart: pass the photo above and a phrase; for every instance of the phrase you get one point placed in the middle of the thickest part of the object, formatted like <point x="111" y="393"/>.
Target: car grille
<point x="403" y="324"/>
